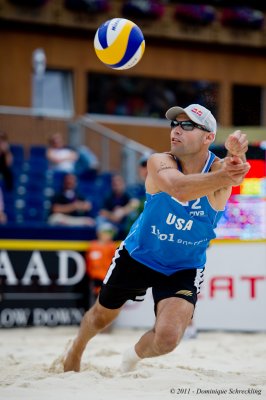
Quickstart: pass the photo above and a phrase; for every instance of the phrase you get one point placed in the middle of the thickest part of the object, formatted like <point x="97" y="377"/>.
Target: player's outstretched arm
<point x="164" y="176"/>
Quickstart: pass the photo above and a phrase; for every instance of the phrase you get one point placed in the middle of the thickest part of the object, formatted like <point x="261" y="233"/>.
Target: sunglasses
<point x="187" y="125"/>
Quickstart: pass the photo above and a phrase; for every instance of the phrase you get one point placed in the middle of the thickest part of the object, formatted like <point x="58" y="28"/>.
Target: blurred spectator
<point x="60" y="157"/>
<point x="99" y="256"/>
<point x="69" y="207"/>
<point x="242" y="17"/>
<point x="138" y="190"/>
<point x="3" y="218"/>
<point x="87" y="164"/>
<point x="6" y="161"/>
<point x="142" y="168"/>
<point x="201" y="14"/>
<point x="142" y="171"/>
<point x="82" y="161"/>
<point x="117" y="206"/>
<point x="146" y="9"/>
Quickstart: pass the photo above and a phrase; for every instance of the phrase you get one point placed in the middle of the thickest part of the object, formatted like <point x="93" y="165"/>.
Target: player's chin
<point x="175" y="146"/>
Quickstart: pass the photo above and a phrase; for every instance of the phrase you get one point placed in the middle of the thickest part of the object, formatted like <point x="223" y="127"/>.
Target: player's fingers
<point x="239" y="171"/>
<point x="242" y="139"/>
<point x="237" y="167"/>
<point x="245" y="148"/>
<point x="237" y="134"/>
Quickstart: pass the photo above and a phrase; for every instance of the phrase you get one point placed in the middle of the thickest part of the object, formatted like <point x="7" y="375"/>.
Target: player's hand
<point x="235" y="169"/>
<point x="237" y="143"/>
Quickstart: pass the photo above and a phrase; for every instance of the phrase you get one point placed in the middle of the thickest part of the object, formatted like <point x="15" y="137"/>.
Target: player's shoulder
<point x="166" y="156"/>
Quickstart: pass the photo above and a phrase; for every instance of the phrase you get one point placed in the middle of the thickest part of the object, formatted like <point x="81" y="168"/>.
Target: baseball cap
<point x="197" y="113"/>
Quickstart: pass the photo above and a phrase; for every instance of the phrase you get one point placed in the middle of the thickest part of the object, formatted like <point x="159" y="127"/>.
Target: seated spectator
<point x="138" y="190"/>
<point x="69" y="207"/>
<point x="6" y="161"/>
<point x="3" y="218"/>
<point x="142" y="167"/>
<point x="82" y="161"/>
<point x="118" y="205"/>
<point x="87" y="164"/>
<point x="99" y="256"/>
<point x="60" y="157"/>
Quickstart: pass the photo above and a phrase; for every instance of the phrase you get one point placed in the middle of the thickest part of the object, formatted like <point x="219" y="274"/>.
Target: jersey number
<point x="194" y="206"/>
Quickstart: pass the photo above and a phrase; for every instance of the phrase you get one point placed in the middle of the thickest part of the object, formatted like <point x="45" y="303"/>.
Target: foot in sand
<point x="72" y="360"/>
<point x="129" y="360"/>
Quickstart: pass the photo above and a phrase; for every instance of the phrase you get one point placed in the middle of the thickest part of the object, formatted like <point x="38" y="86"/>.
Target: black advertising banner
<point x="40" y="287"/>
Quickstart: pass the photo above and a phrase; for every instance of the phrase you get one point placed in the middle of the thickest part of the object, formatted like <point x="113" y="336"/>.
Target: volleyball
<point x="119" y="43"/>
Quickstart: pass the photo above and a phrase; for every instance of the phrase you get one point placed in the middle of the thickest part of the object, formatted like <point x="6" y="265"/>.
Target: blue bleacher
<point x="17" y="151"/>
<point x="28" y="201"/>
<point x="35" y="186"/>
<point x="37" y="152"/>
<point x="34" y="210"/>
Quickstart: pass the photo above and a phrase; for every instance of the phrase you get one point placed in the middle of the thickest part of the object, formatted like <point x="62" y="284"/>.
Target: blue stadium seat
<point x="34" y="210"/>
<point x="17" y="151"/>
<point x="37" y="152"/>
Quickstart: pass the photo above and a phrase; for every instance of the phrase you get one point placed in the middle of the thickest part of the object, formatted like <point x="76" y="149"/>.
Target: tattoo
<point x="164" y="166"/>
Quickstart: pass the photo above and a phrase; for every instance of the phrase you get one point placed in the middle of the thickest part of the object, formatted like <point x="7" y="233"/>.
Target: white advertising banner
<point x="233" y="295"/>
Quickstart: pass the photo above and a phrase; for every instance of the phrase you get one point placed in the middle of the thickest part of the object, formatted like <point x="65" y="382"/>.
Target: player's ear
<point x="209" y="138"/>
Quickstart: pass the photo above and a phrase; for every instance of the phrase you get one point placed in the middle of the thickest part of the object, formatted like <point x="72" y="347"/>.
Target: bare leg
<point x="173" y="316"/>
<point x="94" y="320"/>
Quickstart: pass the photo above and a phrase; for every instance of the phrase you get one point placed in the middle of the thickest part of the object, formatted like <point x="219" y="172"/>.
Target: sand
<point x="215" y="365"/>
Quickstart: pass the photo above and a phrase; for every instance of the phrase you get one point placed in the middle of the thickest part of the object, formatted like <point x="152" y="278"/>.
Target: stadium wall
<point x="169" y="60"/>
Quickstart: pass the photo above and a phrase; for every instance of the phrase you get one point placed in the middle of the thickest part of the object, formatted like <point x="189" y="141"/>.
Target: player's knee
<point x="166" y="341"/>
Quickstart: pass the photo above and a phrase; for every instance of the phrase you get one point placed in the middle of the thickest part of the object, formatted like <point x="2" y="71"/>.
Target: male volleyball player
<point x="187" y="189"/>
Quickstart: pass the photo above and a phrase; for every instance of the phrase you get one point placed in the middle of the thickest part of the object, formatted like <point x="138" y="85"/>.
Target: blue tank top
<point x="170" y="235"/>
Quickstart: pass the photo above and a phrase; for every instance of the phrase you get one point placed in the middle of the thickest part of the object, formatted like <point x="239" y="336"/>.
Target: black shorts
<point x="128" y="279"/>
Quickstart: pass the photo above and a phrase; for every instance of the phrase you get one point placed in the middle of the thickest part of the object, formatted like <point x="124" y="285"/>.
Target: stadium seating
<point x="242" y="17"/>
<point x="35" y="185"/>
<point x="195" y="14"/>
<point x="148" y="9"/>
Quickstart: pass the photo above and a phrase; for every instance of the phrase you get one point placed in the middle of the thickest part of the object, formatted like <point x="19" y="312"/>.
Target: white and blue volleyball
<point x="119" y="43"/>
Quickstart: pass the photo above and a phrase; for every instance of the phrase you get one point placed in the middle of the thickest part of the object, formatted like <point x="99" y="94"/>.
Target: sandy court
<point x="215" y="365"/>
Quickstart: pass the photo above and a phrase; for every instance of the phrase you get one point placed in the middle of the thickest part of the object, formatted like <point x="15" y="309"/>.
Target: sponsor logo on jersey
<point x="198" y="213"/>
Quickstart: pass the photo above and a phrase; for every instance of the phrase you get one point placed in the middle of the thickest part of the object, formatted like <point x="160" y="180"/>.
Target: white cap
<point x="197" y="113"/>
<point x="106" y="226"/>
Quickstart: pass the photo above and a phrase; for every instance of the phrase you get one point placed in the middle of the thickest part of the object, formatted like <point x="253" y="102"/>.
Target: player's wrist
<point x="224" y="177"/>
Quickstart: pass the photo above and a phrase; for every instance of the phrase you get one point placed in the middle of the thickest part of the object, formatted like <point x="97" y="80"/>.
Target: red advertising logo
<point x="227" y="285"/>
